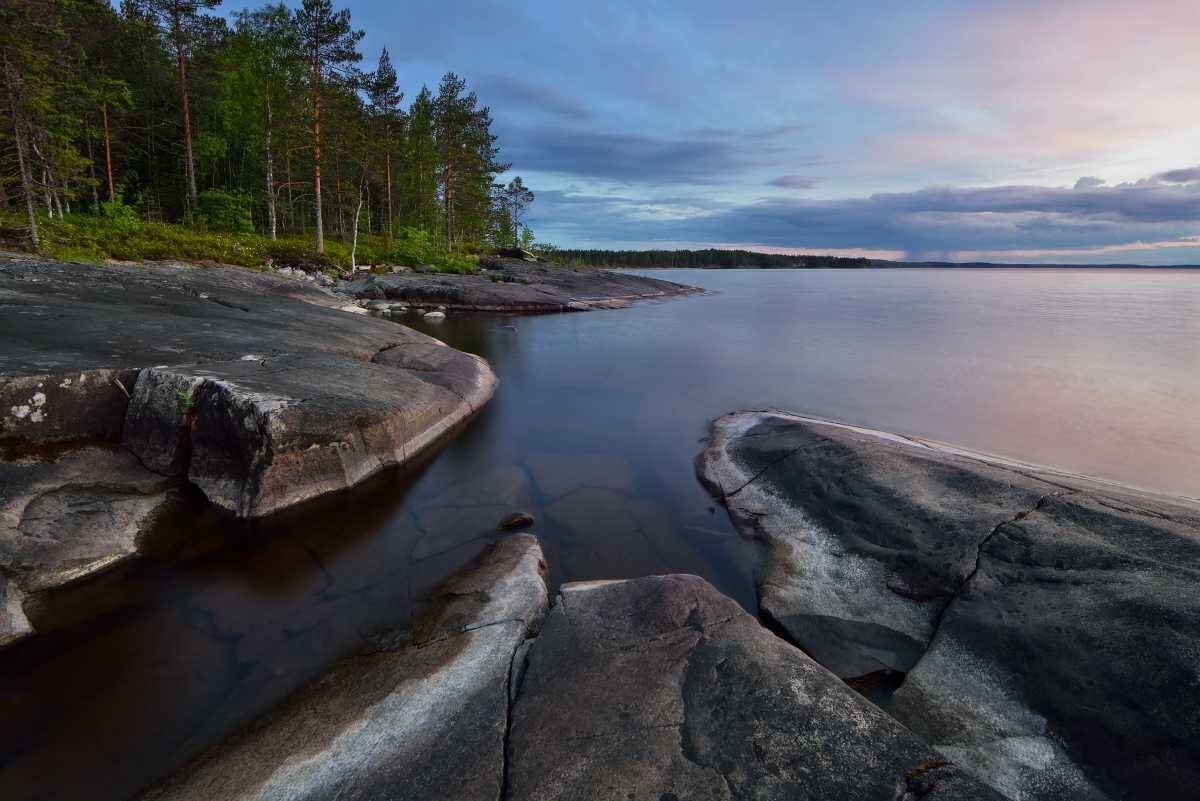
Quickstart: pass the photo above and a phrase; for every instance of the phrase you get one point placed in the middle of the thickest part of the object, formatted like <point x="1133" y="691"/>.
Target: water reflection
<point x="593" y="430"/>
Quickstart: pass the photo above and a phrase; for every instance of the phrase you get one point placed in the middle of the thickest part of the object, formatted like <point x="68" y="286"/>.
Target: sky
<point x="969" y="130"/>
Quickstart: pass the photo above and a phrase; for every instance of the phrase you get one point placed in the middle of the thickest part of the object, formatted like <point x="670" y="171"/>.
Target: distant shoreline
<point x="915" y="265"/>
<point x="718" y="259"/>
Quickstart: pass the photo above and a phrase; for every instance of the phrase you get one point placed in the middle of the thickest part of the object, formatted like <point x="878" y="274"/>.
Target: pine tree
<point x="330" y="47"/>
<point x="385" y="105"/>
<point x="180" y="21"/>
<point x="516" y="198"/>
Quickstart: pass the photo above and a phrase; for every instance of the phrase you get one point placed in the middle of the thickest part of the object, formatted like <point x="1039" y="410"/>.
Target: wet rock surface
<point x="508" y="284"/>
<point x="64" y="520"/>
<point x="423" y="715"/>
<point x="260" y="390"/>
<point x="1048" y="624"/>
<point x="662" y="688"/>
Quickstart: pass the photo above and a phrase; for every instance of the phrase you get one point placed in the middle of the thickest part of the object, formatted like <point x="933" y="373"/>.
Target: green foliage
<point x="225" y="211"/>
<point x="92" y="90"/>
<point x="456" y="263"/>
<point x="412" y="247"/>
<point x="122" y="236"/>
<point x="185" y="400"/>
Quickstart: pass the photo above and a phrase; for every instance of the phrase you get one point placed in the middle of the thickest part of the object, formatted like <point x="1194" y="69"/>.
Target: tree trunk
<point x="22" y="161"/>
<point x="317" y="156"/>
<point x="291" y="200"/>
<point x="354" y="244"/>
<point x="447" y="198"/>
<point x="87" y="125"/>
<point x="337" y="196"/>
<point x="387" y="159"/>
<point x="108" y="154"/>
<point x="270" y="177"/>
<point x="187" y="116"/>
<point x="46" y="193"/>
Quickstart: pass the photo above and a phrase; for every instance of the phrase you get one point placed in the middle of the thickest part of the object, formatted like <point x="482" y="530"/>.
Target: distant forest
<point x="696" y="258"/>
<point x="159" y="111"/>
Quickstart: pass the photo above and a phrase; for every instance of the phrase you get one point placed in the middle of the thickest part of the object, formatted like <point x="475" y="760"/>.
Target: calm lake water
<point x="593" y="430"/>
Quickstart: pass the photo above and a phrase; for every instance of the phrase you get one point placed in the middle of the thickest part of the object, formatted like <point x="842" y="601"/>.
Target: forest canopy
<point x="267" y="123"/>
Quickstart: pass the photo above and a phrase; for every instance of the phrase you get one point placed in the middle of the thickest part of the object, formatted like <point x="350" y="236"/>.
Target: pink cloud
<point x="1052" y="82"/>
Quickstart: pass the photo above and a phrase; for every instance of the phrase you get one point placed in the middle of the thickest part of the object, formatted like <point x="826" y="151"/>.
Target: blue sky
<point x="1059" y="130"/>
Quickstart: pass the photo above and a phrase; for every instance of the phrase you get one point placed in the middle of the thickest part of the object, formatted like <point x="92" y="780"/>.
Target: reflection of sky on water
<point x="594" y="428"/>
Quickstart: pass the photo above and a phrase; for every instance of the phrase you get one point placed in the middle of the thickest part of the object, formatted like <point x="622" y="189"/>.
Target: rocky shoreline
<point x="1042" y="628"/>
<point x="121" y="384"/>
<point x="499" y="695"/>
<point x="512" y="285"/>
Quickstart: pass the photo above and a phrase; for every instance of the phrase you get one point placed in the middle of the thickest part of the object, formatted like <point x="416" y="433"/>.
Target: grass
<point x="89" y="238"/>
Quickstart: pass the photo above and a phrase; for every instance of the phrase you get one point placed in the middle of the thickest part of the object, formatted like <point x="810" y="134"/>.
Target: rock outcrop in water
<point x="1048" y="625"/>
<point x="655" y="688"/>
<point x="517" y="286"/>
<point x="422" y="717"/>
<point x="662" y="688"/>
<point x="261" y="391"/>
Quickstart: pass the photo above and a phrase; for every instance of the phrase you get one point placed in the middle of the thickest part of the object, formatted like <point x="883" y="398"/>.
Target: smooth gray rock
<point x="662" y="688"/>
<point x="516" y="285"/>
<point x="67" y="519"/>
<point x="420" y="717"/>
<point x="1049" y="624"/>
<point x="261" y="389"/>
<point x="265" y="435"/>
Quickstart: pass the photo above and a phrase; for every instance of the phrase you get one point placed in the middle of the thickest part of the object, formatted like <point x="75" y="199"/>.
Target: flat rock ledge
<point x="1044" y="628"/>
<point x="418" y="717"/>
<point x="653" y="688"/>
<point x="514" y="285"/>
<point x="262" y="391"/>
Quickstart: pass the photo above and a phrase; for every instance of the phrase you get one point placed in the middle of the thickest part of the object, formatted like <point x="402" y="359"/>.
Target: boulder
<point x="662" y="688"/>
<point x="420" y="715"/>
<point x="259" y="389"/>
<point x="1020" y="602"/>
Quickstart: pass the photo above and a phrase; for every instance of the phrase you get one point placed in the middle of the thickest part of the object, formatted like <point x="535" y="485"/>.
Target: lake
<point x="593" y="430"/>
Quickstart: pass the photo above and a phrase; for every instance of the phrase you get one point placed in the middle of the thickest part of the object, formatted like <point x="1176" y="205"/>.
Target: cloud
<point x="1035" y="85"/>
<point x="1184" y="176"/>
<point x="793" y="182"/>
<point x="1089" y="182"/>
<point x="934" y="223"/>
<point x="628" y="157"/>
<point x="509" y="92"/>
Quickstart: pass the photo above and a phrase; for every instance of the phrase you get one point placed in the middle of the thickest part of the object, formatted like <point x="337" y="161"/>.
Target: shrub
<point x="225" y="211"/>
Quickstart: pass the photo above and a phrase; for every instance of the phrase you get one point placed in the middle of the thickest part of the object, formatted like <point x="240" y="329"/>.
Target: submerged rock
<point x="662" y="688"/>
<point x="66" y="519"/>
<point x="421" y="716"/>
<point x="517" y="520"/>
<point x="1023" y="604"/>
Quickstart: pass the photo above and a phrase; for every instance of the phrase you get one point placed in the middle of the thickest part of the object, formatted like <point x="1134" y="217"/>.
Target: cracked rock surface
<point x="518" y="286"/>
<point x="419" y="717"/>
<point x="662" y="688"/>
<point x="1048" y="624"/>
<point x="260" y="390"/>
